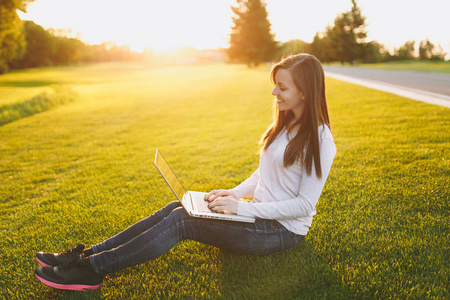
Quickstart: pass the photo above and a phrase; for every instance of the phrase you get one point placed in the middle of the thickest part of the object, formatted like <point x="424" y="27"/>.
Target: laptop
<point x="194" y="202"/>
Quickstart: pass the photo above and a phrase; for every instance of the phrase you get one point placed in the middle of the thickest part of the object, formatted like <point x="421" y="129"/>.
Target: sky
<point x="171" y="24"/>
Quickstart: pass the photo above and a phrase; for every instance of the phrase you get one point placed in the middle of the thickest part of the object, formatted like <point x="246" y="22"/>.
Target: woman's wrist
<point x="233" y="194"/>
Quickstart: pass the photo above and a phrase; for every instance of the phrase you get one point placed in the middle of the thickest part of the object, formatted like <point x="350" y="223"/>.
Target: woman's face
<point x="286" y="93"/>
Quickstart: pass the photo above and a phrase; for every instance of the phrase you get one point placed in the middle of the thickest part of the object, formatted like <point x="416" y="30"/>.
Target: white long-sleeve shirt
<point x="287" y="195"/>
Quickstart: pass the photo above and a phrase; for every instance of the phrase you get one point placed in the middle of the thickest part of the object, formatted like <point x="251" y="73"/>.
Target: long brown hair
<point x="308" y="76"/>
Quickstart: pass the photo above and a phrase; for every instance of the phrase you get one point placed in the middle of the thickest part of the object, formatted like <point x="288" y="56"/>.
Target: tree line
<point x="344" y="41"/>
<point x="24" y="44"/>
<point x="42" y="48"/>
<point x="54" y="48"/>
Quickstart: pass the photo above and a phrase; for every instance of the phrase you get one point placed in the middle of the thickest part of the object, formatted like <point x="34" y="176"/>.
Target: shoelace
<point x="73" y="251"/>
<point x="76" y="261"/>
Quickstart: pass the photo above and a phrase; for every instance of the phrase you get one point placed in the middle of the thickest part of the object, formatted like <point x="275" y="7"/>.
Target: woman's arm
<point x="243" y="190"/>
<point x="247" y="188"/>
<point x="227" y="200"/>
<point x="309" y="192"/>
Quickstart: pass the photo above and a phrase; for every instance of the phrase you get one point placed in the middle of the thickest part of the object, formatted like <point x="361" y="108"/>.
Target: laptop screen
<point x="169" y="176"/>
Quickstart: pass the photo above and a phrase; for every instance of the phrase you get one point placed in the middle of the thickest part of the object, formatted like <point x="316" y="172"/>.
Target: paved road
<point x="429" y="87"/>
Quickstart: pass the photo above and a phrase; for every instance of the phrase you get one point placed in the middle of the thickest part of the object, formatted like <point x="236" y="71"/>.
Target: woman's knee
<point x="173" y="205"/>
<point x="179" y="213"/>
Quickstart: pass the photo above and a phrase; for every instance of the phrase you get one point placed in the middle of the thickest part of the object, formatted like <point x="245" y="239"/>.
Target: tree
<point x="438" y="53"/>
<point x="373" y="52"/>
<point x="95" y="53"/>
<point x="68" y="50"/>
<point x="406" y="51"/>
<point x="40" y="47"/>
<point x="12" y="37"/>
<point x="427" y="51"/>
<point x="319" y="48"/>
<point x="251" y="40"/>
<point x="293" y="47"/>
<point x="346" y="37"/>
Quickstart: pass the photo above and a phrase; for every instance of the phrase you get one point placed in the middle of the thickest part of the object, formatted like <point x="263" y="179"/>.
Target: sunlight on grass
<point x="83" y="171"/>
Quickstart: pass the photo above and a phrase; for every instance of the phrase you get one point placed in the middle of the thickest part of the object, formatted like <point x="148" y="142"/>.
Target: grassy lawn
<point x="83" y="171"/>
<point x="413" y="65"/>
<point x="404" y="65"/>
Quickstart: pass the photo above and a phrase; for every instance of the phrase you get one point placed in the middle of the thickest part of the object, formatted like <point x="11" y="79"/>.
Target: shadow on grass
<point x="296" y="274"/>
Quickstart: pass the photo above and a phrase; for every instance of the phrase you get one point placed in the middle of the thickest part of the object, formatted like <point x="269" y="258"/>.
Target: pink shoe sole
<point x="42" y="263"/>
<point x="72" y="287"/>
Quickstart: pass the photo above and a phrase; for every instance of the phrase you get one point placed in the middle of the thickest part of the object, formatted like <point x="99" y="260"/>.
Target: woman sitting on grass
<point x="296" y="157"/>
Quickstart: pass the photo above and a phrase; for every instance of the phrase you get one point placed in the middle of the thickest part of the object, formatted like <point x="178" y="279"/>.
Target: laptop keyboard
<point x="199" y="203"/>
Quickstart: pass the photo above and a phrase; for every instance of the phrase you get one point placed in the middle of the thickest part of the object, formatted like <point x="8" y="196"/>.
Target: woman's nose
<point x="274" y="91"/>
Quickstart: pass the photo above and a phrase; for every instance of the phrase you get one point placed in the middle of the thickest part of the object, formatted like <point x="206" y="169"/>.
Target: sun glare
<point x="170" y="24"/>
<point x="159" y="25"/>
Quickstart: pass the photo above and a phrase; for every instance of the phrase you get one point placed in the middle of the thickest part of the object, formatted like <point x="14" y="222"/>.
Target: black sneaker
<point x="55" y="259"/>
<point x="76" y="275"/>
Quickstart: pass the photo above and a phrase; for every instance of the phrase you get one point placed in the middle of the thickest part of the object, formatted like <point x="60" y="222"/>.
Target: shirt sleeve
<point x="247" y="188"/>
<point x="309" y="192"/>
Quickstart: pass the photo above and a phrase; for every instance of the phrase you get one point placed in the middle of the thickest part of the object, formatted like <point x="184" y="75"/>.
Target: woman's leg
<point x="262" y="237"/>
<point x="136" y="229"/>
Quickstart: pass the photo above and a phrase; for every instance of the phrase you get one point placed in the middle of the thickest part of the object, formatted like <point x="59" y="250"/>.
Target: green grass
<point x="405" y="65"/>
<point x="413" y="65"/>
<point x="83" y="171"/>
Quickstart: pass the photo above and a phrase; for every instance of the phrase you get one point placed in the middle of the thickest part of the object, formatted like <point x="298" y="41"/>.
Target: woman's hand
<point x="227" y="204"/>
<point x="219" y="193"/>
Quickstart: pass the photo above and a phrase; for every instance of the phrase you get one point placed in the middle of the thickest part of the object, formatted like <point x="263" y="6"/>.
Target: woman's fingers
<point x="207" y="196"/>
<point x="222" y="204"/>
<point x="211" y="196"/>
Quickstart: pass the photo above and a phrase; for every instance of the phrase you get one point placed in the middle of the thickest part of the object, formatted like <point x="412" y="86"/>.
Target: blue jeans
<point x="158" y="233"/>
